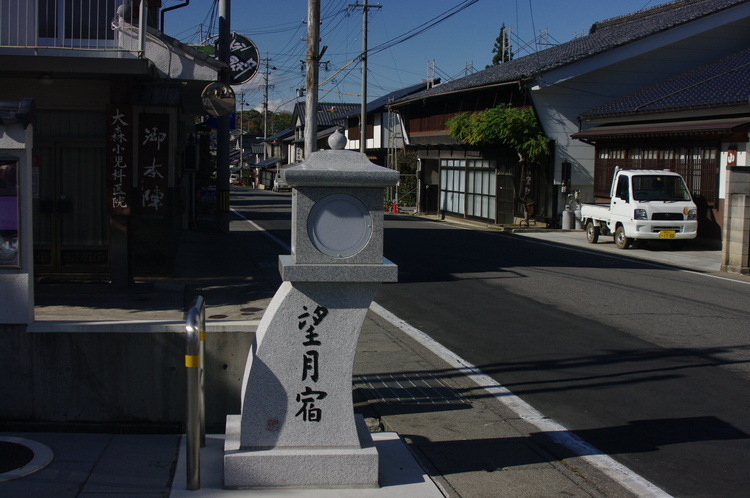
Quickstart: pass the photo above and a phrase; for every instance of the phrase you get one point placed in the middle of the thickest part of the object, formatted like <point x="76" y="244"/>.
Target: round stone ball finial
<point x="337" y="141"/>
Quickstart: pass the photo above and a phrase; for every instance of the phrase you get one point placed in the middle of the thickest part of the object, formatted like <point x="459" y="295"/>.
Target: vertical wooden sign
<point x="153" y="163"/>
<point x="119" y="158"/>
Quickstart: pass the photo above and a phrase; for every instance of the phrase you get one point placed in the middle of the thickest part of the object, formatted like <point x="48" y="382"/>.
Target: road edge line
<point x="263" y="230"/>
<point x="556" y="431"/>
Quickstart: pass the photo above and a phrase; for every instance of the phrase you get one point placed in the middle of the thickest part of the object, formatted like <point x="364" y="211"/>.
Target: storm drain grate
<point x="412" y="388"/>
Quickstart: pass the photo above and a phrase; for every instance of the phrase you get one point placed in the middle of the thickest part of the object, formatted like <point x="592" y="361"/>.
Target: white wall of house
<point x="351" y="144"/>
<point x="376" y="142"/>
<point x="170" y="60"/>
<point x="561" y="95"/>
<point x="380" y="137"/>
<point x="392" y="130"/>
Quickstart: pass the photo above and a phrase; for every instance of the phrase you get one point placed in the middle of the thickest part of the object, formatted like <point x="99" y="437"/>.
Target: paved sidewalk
<point x="466" y="439"/>
<point x="697" y="254"/>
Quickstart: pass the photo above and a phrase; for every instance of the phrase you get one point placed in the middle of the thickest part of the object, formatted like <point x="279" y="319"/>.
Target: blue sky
<point x="455" y="44"/>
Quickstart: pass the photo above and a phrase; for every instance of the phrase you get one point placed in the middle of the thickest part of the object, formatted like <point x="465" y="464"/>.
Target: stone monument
<point x="297" y="427"/>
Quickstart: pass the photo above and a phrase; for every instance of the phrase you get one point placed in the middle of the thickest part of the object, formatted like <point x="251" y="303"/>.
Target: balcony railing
<point x="66" y="24"/>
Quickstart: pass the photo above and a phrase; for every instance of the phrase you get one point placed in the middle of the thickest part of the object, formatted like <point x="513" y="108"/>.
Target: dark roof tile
<point x="327" y="112"/>
<point x="604" y="35"/>
<point x="724" y="82"/>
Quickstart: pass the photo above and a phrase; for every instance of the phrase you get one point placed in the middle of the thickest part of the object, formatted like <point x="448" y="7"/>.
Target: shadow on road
<point x="638" y="436"/>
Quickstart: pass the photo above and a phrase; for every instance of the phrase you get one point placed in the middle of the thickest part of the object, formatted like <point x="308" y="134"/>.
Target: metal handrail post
<point x="201" y="304"/>
<point x="193" y="362"/>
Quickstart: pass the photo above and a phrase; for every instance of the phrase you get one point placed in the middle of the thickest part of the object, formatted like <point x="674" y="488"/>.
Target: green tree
<point x="280" y="121"/>
<point x="514" y="127"/>
<point x="253" y="122"/>
<point x="502" y="48"/>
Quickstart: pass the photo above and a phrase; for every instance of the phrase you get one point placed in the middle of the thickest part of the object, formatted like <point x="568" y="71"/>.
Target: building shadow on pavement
<point x="639" y="436"/>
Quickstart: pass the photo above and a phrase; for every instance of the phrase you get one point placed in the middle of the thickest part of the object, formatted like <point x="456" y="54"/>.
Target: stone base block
<point x="739" y="270"/>
<point x="311" y="467"/>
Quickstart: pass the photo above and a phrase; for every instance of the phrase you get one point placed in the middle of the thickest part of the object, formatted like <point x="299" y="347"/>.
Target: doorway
<point x="505" y="196"/>
<point x="506" y="190"/>
<point x="70" y="216"/>
<point x="430" y="171"/>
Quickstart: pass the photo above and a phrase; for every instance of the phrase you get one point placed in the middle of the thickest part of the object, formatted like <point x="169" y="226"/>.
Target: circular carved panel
<point x="339" y="225"/>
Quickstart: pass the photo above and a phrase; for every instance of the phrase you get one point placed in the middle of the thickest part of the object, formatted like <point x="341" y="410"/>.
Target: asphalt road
<point x="649" y="364"/>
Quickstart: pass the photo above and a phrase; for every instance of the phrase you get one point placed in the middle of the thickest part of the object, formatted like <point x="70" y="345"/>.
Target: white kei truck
<point x="645" y="204"/>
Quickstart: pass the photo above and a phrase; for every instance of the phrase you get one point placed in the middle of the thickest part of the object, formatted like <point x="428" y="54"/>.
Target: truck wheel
<point x="621" y="241"/>
<point x="592" y="232"/>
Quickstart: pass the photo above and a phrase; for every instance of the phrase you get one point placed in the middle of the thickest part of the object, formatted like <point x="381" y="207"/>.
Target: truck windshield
<point x="659" y="188"/>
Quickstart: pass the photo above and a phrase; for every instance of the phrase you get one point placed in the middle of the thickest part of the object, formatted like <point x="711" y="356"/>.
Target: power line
<point x="423" y="27"/>
<point x="336" y="23"/>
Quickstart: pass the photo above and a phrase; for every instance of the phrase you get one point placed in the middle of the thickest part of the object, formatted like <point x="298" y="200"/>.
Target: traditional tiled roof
<point x="393" y="96"/>
<point x="603" y="36"/>
<point x="280" y="135"/>
<point x="722" y="83"/>
<point x="327" y="112"/>
<point x="381" y="102"/>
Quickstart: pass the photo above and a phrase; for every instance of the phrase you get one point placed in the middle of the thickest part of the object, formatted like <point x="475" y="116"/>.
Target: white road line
<point x="560" y="434"/>
<point x="261" y="229"/>
<point x="717" y="277"/>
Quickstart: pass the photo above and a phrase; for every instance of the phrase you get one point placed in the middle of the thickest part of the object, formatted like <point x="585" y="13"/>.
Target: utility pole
<point x="430" y="73"/>
<point x="265" y="102"/>
<point x="311" y="77"/>
<point x="242" y="131"/>
<point x="506" y="44"/>
<point x="222" y="125"/>
<point x="363" y="112"/>
<point x="543" y="39"/>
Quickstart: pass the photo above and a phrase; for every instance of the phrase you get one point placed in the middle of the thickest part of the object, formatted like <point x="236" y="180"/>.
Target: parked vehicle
<point x="280" y="184"/>
<point x="645" y="205"/>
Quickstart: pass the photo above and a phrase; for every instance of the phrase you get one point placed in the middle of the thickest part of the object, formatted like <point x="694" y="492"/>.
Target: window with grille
<point x="77" y="24"/>
<point x="467" y="187"/>
<point x="698" y="165"/>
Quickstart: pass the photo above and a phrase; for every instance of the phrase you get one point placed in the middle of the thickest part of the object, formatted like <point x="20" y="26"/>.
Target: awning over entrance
<point x="654" y="130"/>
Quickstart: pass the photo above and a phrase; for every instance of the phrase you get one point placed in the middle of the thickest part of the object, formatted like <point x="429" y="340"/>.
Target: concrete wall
<point x="735" y="257"/>
<point x="83" y="379"/>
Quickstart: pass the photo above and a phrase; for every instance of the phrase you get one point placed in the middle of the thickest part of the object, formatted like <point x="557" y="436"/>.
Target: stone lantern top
<point x="337" y="141"/>
<point x="339" y="168"/>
